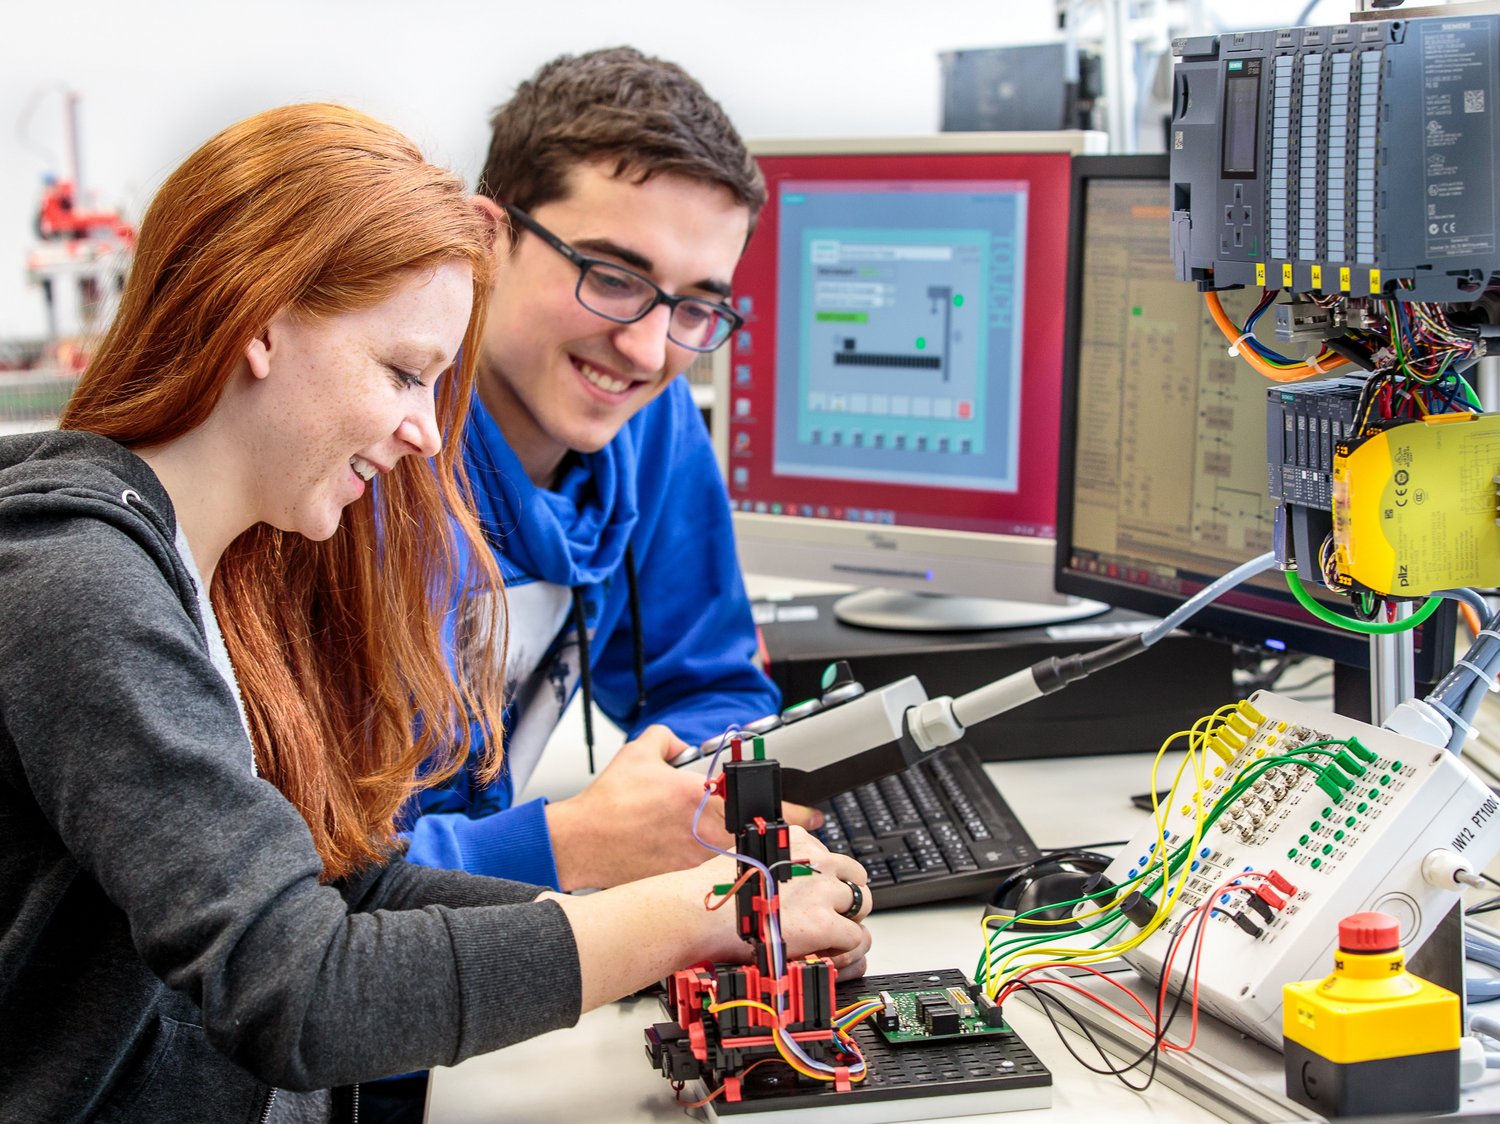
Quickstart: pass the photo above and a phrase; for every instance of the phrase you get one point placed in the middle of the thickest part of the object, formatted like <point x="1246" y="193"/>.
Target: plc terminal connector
<point x="1351" y="160"/>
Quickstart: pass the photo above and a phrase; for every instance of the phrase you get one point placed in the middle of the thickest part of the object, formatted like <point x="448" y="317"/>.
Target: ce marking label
<point x="1403" y="478"/>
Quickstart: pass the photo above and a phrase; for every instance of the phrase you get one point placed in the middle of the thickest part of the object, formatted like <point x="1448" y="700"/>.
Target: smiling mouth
<point x="363" y="468"/>
<point x="607" y="383"/>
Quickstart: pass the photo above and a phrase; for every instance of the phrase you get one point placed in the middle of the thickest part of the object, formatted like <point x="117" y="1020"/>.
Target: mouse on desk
<point x="1046" y="885"/>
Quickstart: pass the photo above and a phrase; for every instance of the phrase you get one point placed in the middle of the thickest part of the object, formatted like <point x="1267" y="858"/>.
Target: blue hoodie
<point x="686" y="660"/>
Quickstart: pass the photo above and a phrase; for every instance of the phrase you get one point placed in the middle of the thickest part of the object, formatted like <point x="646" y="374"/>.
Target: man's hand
<point x="636" y="818"/>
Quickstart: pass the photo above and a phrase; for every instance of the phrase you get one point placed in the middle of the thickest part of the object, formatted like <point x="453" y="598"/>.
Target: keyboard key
<point x="936" y="830"/>
<point x="930" y="861"/>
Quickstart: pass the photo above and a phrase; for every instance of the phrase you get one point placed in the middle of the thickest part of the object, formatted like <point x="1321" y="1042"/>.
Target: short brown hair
<point x="649" y="116"/>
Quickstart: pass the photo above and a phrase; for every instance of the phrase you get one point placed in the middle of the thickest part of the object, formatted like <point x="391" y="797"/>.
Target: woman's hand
<point x="816" y="913"/>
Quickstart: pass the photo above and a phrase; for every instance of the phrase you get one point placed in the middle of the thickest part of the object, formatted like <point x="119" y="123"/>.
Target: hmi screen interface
<point x="899" y="313"/>
<point x="900" y="361"/>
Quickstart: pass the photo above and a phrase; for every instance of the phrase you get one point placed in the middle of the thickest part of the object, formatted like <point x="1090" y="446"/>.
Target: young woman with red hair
<point x="221" y="592"/>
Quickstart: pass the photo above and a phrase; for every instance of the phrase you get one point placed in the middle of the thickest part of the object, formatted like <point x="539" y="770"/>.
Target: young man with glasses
<point x="628" y="198"/>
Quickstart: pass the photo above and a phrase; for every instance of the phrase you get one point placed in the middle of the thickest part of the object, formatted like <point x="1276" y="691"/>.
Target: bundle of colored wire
<point x="1199" y="916"/>
<point x="1273" y="365"/>
<point x="996" y="963"/>
<point x="1426" y="345"/>
<point x="1000" y="966"/>
<point x="1162" y="1019"/>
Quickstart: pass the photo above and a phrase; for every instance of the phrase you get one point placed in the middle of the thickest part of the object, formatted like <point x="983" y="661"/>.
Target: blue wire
<point x="1255" y="344"/>
<point x="1481" y="991"/>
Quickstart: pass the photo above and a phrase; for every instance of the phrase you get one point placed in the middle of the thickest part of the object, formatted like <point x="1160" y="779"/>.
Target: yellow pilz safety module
<point x="1369" y="1009"/>
<point x="1414" y="506"/>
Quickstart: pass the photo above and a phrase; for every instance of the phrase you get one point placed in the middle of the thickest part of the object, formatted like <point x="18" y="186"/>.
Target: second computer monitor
<point x="892" y="400"/>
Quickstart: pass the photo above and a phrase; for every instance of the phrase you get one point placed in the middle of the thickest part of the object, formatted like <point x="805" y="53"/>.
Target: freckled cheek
<point x="345" y="407"/>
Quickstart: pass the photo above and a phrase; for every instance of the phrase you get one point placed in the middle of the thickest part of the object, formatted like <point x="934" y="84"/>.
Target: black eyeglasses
<point x="624" y="296"/>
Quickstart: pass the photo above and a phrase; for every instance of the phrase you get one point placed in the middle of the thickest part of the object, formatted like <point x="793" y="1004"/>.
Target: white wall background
<point x="158" y="77"/>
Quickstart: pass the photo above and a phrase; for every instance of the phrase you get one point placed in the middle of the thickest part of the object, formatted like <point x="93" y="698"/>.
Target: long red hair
<point x="338" y="645"/>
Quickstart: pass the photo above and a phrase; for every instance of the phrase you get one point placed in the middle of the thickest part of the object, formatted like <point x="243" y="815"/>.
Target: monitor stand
<point x="941" y="612"/>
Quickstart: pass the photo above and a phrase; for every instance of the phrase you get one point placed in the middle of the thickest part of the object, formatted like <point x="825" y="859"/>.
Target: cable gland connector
<point x="933" y="724"/>
<point x="1238" y="724"/>
<point x="1414" y="718"/>
<point x="1216" y="744"/>
<point x="1338" y="776"/>
<point x="1246" y="924"/>
<point x="1443" y="869"/>
<point x="1262" y="907"/>
<point x="1330" y="788"/>
<point x="1253" y="715"/>
<point x="1279" y="881"/>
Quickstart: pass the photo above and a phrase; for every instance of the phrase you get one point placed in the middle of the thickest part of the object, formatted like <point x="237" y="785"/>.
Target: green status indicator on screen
<point x="958" y="300"/>
<point x="842" y="317"/>
<point x="921" y="343"/>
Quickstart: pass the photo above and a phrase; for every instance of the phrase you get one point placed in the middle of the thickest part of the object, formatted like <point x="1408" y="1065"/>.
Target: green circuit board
<point x="912" y="1024"/>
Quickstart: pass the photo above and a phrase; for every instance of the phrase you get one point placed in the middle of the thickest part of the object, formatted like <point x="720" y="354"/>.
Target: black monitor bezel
<point x="1434" y="655"/>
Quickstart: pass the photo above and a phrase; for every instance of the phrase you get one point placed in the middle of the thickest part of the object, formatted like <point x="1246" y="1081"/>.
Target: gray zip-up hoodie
<point x="167" y="951"/>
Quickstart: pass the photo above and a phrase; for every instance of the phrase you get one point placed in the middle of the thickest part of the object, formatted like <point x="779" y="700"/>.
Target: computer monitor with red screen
<point x="891" y="406"/>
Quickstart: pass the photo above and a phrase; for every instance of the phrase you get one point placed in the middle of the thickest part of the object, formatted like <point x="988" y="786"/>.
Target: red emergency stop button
<point x="1369" y="933"/>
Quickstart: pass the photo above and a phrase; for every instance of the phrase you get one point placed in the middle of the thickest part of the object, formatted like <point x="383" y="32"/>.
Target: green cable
<point x="1165" y="870"/>
<point x="1033" y="938"/>
<point x="1022" y="940"/>
<point x="1247" y="777"/>
<point x="1371" y="628"/>
<point x="992" y="954"/>
<point x="1473" y="398"/>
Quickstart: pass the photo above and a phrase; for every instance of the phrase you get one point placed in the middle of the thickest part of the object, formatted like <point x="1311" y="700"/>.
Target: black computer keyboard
<point x="939" y="829"/>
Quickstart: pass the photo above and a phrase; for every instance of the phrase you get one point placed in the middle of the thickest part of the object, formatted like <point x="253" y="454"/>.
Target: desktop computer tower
<point x="1133" y="706"/>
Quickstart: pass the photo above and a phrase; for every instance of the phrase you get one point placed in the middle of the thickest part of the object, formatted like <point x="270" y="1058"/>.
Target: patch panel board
<point x="1337" y="817"/>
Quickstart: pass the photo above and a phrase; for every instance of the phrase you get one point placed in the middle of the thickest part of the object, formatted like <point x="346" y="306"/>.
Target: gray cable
<point x="1461" y="690"/>
<point x="1210" y="592"/>
<point x="1483" y="990"/>
<point x="1470" y="597"/>
<point x="1483" y="1024"/>
<point x="1485" y="950"/>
